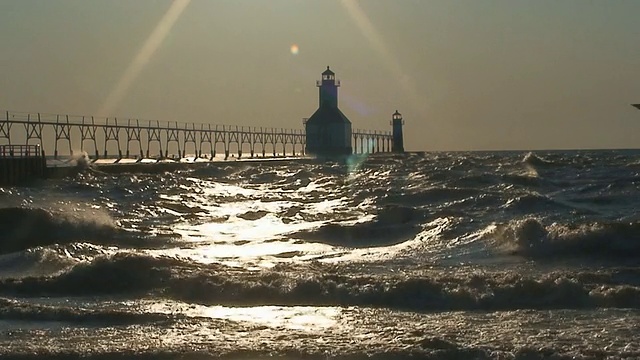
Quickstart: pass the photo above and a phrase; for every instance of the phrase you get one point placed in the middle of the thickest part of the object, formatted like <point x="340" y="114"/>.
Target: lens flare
<point x="294" y="49"/>
<point x="376" y="41"/>
<point x="153" y="42"/>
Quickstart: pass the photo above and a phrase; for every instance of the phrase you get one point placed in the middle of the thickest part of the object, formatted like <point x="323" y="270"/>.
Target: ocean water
<point x="462" y="255"/>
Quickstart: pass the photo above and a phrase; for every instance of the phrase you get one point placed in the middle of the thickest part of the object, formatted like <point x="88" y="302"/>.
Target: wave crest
<point x="532" y="159"/>
<point x="24" y="228"/>
<point x="119" y="273"/>
<point x="136" y="275"/>
<point x="393" y="224"/>
<point x="530" y="237"/>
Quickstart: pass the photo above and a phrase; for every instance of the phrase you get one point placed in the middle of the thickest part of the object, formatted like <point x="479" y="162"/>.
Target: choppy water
<point x="494" y="255"/>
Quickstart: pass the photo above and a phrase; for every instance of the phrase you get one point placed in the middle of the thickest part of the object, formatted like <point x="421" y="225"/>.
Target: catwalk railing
<point x="134" y="137"/>
<point x="20" y="151"/>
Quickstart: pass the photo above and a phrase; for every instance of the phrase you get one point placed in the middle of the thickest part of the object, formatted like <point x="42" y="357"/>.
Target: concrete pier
<point x="21" y="164"/>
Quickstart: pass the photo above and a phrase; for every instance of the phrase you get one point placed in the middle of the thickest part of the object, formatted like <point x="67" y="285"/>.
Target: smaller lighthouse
<point x="398" y="141"/>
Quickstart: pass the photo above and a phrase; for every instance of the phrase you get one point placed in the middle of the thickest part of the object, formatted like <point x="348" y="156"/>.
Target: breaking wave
<point x="40" y="261"/>
<point x="536" y="160"/>
<point x="110" y="274"/>
<point x="26" y="228"/>
<point x="138" y="275"/>
<point x="530" y="237"/>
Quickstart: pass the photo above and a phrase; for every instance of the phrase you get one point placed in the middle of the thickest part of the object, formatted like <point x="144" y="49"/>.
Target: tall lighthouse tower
<point x="328" y="131"/>
<point x="328" y="89"/>
<point x="398" y="141"/>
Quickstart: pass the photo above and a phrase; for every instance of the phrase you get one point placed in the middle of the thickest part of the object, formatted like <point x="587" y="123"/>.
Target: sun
<point x="294" y="49"/>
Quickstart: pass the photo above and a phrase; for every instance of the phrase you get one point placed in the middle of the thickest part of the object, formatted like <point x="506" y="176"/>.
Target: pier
<point x="20" y="163"/>
<point x="126" y="138"/>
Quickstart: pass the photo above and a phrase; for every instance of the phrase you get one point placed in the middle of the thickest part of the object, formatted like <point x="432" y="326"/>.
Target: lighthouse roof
<point x="328" y="115"/>
<point x="328" y="72"/>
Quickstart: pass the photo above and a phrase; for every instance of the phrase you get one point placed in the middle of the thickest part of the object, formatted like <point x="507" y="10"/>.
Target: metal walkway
<point x="129" y="135"/>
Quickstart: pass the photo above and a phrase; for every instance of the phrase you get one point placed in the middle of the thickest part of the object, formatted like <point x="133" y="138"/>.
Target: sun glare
<point x="376" y="41"/>
<point x="294" y="49"/>
<point x="153" y="42"/>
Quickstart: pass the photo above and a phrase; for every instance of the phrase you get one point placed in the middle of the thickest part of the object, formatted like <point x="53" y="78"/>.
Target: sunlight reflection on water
<point x="308" y="318"/>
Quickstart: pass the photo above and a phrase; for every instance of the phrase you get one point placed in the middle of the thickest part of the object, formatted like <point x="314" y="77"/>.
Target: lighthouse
<point x="328" y="130"/>
<point x="398" y="141"/>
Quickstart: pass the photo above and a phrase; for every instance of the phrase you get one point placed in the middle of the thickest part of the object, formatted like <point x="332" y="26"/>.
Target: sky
<point x="465" y="74"/>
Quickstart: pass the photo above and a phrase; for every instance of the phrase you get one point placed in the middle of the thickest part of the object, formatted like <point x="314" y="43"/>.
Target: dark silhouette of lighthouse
<point x="398" y="141"/>
<point x="328" y="130"/>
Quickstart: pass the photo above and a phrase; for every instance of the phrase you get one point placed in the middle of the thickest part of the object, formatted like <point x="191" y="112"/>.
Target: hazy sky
<point x="466" y="74"/>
